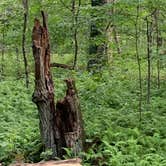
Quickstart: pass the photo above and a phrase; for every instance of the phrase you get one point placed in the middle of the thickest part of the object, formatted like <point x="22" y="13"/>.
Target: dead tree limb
<point x="64" y="66"/>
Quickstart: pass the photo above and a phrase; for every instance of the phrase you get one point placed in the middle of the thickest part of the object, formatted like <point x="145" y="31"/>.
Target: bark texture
<point x="69" y="119"/>
<point x="44" y="90"/>
<point x="55" y="125"/>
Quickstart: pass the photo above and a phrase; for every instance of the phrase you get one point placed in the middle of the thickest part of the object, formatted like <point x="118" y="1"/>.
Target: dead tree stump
<point x="69" y="119"/>
<point x="60" y="125"/>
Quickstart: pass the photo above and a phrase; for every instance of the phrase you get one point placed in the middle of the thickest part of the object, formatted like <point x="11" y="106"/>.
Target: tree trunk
<point x="138" y="60"/>
<point x="116" y="40"/>
<point x="75" y="14"/>
<point x="149" y="52"/>
<point x="25" y="5"/>
<point x="114" y="29"/>
<point x="158" y="45"/>
<point x="97" y="51"/>
<point x="69" y="119"/>
<point x="112" y="33"/>
<point x="18" y="64"/>
<point x="3" y="52"/>
<point x="44" y="91"/>
<point x="53" y="123"/>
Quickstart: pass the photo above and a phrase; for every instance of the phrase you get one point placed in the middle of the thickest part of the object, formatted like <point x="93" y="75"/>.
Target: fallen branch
<point x="70" y="162"/>
<point x="62" y="66"/>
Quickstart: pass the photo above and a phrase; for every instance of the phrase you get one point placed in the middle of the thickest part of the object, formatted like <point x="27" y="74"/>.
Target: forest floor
<point x="115" y="136"/>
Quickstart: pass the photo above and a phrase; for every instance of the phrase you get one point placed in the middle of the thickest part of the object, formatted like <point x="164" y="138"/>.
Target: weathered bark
<point x="53" y="123"/>
<point x="69" y="119"/>
<point x="25" y="5"/>
<point x="44" y="90"/>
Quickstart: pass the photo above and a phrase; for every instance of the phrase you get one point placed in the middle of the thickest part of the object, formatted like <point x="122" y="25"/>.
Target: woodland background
<point x="116" y="49"/>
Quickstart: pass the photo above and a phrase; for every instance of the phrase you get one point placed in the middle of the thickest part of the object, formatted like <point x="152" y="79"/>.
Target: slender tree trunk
<point x="158" y="43"/>
<point x="110" y="41"/>
<point x="138" y="62"/>
<point x="60" y="125"/>
<point x="76" y="48"/>
<point x="149" y="51"/>
<point x="18" y="63"/>
<point x="25" y="4"/>
<point x="75" y="14"/>
<point x="3" y="52"/>
<point x="116" y="40"/>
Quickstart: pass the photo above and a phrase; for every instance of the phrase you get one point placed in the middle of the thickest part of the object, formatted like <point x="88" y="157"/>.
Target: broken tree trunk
<point x="56" y="125"/>
<point x="69" y="119"/>
<point x="43" y="95"/>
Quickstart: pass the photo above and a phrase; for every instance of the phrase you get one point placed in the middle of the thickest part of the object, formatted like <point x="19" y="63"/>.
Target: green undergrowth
<point x="19" y="134"/>
<point x="109" y="101"/>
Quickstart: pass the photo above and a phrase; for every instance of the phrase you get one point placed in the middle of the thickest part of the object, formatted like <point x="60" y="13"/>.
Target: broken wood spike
<point x="69" y="118"/>
<point x="44" y="19"/>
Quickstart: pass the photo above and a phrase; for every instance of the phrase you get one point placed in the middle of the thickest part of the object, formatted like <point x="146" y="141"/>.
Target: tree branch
<point x="64" y="66"/>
